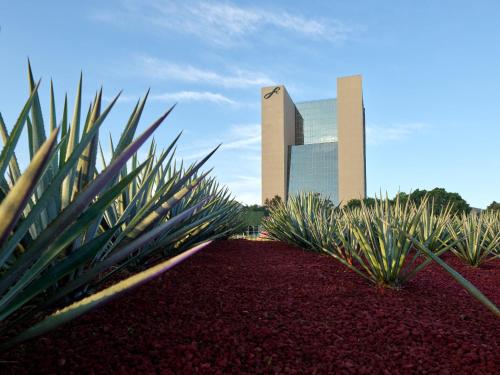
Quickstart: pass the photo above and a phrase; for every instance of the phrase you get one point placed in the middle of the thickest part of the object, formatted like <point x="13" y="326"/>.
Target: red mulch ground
<point x="265" y="307"/>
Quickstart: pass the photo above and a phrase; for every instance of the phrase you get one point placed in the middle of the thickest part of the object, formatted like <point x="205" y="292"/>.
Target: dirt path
<point x="264" y="307"/>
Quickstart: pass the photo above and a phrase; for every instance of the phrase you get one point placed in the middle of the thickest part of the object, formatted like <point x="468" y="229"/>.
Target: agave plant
<point x="433" y="226"/>
<point x="493" y="217"/>
<point x="304" y="220"/>
<point x="222" y="212"/>
<point x="375" y="240"/>
<point x="476" y="293"/>
<point x="387" y="244"/>
<point x="476" y="238"/>
<point x="66" y="225"/>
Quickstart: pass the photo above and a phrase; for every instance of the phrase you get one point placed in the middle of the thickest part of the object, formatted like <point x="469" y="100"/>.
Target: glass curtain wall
<point x="319" y="119"/>
<point x="313" y="160"/>
<point x="314" y="168"/>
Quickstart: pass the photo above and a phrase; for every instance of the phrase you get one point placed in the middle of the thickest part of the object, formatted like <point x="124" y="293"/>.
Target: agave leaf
<point x="74" y="132"/>
<point x="476" y="293"/>
<point x="53" y="189"/>
<point x="118" y="210"/>
<point x="52" y="207"/>
<point x="13" y="204"/>
<point x="9" y="147"/>
<point x="38" y="136"/>
<point x="121" y="253"/>
<point x="139" y="223"/>
<point x="130" y="128"/>
<point x="175" y="236"/>
<point x="103" y="159"/>
<point x="144" y="187"/>
<point x="64" y="132"/>
<point x="98" y="219"/>
<point x="160" y="212"/>
<point x="125" y="139"/>
<point x="111" y="145"/>
<point x="88" y="303"/>
<point x="14" y="169"/>
<point x="38" y="225"/>
<point x="72" y="211"/>
<point x="148" y="200"/>
<point x="168" y="237"/>
<point x="153" y="235"/>
<point x="155" y="216"/>
<point x="36" y="132"/>
<point x="86" y="163"/>
<point x="53" y="121"/>
<point x="61" y="269"/>
<point x="62" y="234"/>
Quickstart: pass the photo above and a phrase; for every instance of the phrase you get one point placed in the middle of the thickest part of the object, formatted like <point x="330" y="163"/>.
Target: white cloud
<point x="376" y="135"/>
<point x="246" y="189"/>
<point x="123" y="98"/>
<point x="189" y="96"/>
<point x="221" y="23"/>
<point x="239" y="157"/>
<point x="161" y="69"/>
<point x="243" y="137"/>
<point x="181" y="96"/>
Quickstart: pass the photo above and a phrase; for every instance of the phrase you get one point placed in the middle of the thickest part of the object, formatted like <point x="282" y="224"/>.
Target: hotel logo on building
<point x="271" y="93"/>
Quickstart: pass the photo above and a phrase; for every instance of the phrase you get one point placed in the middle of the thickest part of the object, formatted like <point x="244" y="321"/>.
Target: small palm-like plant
<point x="476" y="238"/>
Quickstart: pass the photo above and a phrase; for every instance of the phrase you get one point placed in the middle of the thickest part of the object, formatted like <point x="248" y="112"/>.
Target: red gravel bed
<point x="264" y="307"/>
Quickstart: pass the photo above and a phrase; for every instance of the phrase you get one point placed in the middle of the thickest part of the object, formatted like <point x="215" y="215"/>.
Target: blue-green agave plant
<point x="67" y="224"/>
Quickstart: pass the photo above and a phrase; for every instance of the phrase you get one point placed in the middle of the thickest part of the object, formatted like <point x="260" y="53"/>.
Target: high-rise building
<point x="314" y="146"/>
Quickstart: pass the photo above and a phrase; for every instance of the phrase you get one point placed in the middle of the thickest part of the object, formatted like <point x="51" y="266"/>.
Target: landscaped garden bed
<point x="265" y="307"/>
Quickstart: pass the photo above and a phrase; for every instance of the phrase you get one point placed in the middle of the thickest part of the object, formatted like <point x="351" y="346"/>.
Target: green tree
<point x="494" y="206"/>
<point x="252" y="215"/>
<point x="269" y="203"/>
<point x="441" y="199"/>
<point x="353" y="203"/>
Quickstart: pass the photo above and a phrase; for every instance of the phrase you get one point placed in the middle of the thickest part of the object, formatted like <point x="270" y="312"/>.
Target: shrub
<point x="356" y="203"/>
<point x="253" y="215"/>
<point x="269" y="203"/>
<point x="494" y="206"/>
<point x="442" y="199"/>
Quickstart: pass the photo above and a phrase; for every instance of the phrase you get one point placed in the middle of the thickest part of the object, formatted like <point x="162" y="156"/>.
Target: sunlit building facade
<point x="314" y="146"/>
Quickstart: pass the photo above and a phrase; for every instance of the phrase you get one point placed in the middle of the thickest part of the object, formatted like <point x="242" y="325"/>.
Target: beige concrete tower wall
<point x="351" y="136"/>
<point x="278" y="132"/>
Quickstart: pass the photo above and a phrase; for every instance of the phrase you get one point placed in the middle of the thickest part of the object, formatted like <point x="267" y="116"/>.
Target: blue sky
<point x="431" y="73"/>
